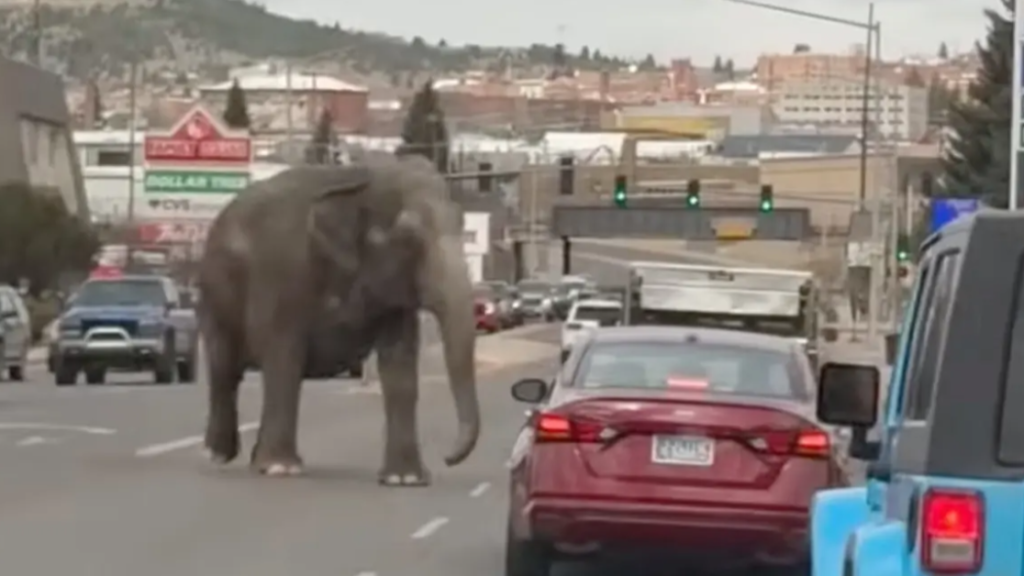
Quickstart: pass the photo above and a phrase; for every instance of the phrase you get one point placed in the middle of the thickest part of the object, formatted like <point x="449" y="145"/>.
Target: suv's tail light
<point x="809" y="443"/>
<point x="952" y="531"/>
<point x="550" y="427"/>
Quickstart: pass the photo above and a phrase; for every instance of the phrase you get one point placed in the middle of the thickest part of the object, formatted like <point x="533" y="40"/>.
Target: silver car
<point x="15" y="334"/>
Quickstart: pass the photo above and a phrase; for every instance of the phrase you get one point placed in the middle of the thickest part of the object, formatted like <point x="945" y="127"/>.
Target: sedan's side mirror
<point x="530" y="390"/>
<point x="848" y="395"/>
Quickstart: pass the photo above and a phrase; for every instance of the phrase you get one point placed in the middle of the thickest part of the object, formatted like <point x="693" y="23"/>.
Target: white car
<point x="588" y="315"/>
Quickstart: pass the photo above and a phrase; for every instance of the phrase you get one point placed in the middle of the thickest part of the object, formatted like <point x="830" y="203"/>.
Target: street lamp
<point x="874" y="45"/>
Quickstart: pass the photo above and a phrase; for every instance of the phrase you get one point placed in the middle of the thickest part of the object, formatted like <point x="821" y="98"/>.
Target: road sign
<point x="183" y="206"/>
<point x="946" y="210"/>
<point x="173" y="232"/>
<point x="193" y="181"/>
<point x="198" y="139"/>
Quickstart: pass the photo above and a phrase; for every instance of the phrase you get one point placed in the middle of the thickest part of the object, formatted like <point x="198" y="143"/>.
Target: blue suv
<point x="945" y="478"/>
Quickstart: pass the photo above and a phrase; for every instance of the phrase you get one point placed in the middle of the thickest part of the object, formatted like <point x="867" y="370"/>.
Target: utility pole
<point x="864" y="117"/>
<point x="132" y="96"/>
<point x="877" y="257"/>
<point x="289" y="125"/>
<point x="1017" y="124"/>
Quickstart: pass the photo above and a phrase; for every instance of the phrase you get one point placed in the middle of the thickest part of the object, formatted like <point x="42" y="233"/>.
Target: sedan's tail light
<point x="952" y="531"/>
<point x="811" y="443"/>
<point x="551" y="427"/>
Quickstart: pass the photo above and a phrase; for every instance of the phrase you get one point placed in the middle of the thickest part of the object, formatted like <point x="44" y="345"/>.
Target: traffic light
<point x="902" y="247"/>
<point x="693" y="194"/>
<point x="619" y="194"/>
<point x="767" y="203"/>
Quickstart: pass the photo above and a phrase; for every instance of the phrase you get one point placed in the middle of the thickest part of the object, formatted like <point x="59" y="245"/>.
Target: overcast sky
<point x="666" y="28"/>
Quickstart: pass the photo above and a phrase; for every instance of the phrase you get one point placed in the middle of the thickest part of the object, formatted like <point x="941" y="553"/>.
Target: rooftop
<point x="299" y="82"/>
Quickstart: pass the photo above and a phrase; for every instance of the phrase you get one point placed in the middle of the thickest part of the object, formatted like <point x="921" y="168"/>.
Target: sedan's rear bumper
<point x="690" y="528"/>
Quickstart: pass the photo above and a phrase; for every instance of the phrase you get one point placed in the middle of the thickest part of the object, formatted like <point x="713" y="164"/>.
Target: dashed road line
<point x="428" y="529"/>
<point x="479" y="490"/>
<point x="182" y="443"/>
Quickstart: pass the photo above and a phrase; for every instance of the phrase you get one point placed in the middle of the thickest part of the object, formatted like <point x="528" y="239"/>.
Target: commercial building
<point x="836" y="102"/>
<point x="35" y="139"/>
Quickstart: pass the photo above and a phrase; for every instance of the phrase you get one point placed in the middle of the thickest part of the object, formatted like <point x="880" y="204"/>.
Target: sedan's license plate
<point x="683" y="450"/>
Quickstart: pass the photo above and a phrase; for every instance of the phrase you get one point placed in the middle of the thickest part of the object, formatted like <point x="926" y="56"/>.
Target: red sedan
<point x="488" y="318"/>
<point x="698" y="444"/>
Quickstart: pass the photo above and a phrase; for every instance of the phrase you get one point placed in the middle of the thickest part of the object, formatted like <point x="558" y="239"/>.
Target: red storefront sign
<point x="199" y="139"/>
<point x="173" y="232"/>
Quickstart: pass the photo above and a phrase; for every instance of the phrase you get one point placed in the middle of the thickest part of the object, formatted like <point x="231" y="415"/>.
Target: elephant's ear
<point x="342" y="181"/>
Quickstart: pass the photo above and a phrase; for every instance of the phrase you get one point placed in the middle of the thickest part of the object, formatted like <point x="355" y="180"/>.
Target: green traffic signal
<point x="620" y="198"/>
<point x="903" y="256"/>
<point x="619" y="193"/>
<point x="693" y="200"/>
<point x="766" y="206"/>
<point x="902" y="247"/>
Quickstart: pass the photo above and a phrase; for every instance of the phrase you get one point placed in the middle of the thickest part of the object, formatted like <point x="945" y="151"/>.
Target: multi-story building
<point x="774" y="70"/>
<point x="903" y="113"/>
<point x="35" y="138"/>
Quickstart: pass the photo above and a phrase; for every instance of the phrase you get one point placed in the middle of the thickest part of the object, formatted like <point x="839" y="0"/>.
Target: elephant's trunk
<point x="450" y="298"/>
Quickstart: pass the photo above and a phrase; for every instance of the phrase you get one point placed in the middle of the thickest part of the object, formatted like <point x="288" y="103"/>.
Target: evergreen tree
<point x="730" y="69"/>
<point x="236" y="113"/>
<point x="558" y="57"/>
<point x="97" y="104"/>
<point x="649" y="63"/>
<point x="424" y="132"/>
<point x="976" y="162"/>
<point x="324" y="139"/>
<point x="40" y="241"/>
<point x="943" y="51"/>
<point x="717" y="66"/>
<point x="585" y="53"/>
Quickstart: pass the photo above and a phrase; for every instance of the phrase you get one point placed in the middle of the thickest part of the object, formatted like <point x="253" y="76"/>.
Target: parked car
<point x="488" y="319"/>
<point x="534" y="298"/>
<point x="15" y="334"/>
<point x="129" y="323"/>
<point x="696" y="444"/>
<point x="503" y="297"/>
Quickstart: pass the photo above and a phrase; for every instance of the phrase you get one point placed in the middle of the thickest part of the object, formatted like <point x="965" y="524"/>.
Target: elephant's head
<point x="407" y="252"/>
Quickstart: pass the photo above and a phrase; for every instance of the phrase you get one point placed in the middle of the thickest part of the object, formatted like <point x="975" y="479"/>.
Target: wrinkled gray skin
<point x="368" y="247"/>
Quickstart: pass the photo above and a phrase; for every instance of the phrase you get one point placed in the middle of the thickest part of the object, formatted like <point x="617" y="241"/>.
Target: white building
<point x="832" y="102"/>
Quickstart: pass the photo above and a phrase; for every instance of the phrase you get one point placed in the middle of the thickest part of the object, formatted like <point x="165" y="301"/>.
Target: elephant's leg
<point x="225" y="360"/>
<point x="282" y="361"/>
<point x="397" y="361"/>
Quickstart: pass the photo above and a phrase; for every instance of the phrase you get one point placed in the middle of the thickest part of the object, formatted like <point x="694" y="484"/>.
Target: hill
<point x="193" y="34"/>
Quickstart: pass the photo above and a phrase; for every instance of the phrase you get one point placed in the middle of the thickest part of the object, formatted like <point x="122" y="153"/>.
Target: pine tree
<point x="976" y="163"/>
<point x="97" y="104"/>
<point x="943" y="51"/>
<point x="236" y="113"/>
<point x="717" y="66"/>
<point x="730" y="69"/>
<point x="323" y="141"/>
<point x="585" y="53"/>
<point x="424" y="132"/>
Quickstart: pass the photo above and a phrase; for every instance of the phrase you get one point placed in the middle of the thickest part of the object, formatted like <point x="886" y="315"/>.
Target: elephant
<point x="367" y="246"/>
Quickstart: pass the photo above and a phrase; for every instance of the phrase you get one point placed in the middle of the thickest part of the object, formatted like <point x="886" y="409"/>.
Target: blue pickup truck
<point x="128" y="323"/>
<point x="944" y="489"/>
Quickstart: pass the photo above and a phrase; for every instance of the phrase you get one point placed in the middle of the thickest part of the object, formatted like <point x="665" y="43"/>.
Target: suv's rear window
<point x="121" y="293"/>
<point x="603" y="315"/>
<point x="712" y="368"/>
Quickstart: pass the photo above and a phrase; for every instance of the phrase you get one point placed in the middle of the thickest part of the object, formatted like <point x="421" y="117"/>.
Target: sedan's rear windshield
<point x="603" y="315"/>
<point x="712" y="368"/>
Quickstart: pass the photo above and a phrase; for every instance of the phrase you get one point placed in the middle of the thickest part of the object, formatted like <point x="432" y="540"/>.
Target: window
<point x="1011" y="426"/>
<point x="712" y="368"/>
<point x="603" y="315"/>
<point x="113" y="158"/>
<point x="122" y="293"/>
<point x="930" y="337"/>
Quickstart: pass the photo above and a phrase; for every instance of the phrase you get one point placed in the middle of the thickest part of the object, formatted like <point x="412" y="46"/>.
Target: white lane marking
<point x="63" y="427"/>
<point x="367" y="574"/>
<point x="479" y="490"/>
<point x="429" y="528"/>
<point x="182" y="443"/>
<point x="35" y="441"/>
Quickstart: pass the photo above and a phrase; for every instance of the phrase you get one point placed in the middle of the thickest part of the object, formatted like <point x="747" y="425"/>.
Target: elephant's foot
<point x="404" y="474"/>
<point x="276" y="464"/>
<point x="222" y="446"/>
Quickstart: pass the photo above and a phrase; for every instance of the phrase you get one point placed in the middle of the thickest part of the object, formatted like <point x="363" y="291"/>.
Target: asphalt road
<point x="110" y="481"/>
